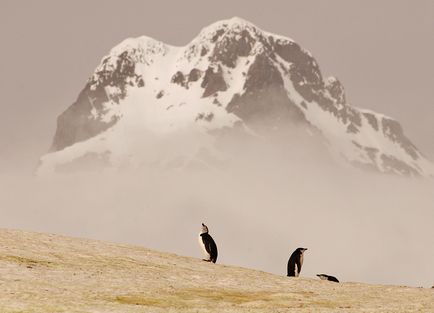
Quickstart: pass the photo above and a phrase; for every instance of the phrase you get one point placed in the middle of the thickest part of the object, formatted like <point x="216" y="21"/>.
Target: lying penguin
<point x="327" y="277"/>
<point x="208" y="245"/>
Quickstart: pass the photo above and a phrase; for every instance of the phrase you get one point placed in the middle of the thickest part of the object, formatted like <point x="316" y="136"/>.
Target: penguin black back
<point x="295" y="262"/>
<point x="208" y="244"/>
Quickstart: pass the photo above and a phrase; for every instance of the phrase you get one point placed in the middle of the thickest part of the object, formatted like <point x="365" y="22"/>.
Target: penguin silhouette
<point x="295" y="262"/>
<point x="208" y="245"/>
<point x="327" y="277"/>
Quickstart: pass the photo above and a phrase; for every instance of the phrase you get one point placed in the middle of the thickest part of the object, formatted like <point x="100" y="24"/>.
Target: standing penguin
<point x="208" y="244"/>
<point x="295" y="262"/>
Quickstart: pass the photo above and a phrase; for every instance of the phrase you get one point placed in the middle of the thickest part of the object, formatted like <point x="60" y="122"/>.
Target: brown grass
<point x="25" y="261"/>
<point x="196" y="298"/>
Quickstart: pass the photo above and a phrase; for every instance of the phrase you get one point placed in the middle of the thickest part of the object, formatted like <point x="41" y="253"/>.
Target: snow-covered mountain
<point x="146" y="100"/>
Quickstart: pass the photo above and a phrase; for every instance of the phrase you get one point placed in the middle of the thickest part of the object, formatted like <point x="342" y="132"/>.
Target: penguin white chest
<point x="298" y="270"/>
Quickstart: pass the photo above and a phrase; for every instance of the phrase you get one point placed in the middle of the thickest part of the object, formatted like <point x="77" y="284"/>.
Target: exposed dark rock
<point x="206" y="117"/>
<point x="160" y="94"/>
<point x="209" y="117"/>
<point x="327" y="105"/>
<point x="372" y="153"/>
<point x="352" y="129"/>
<point x="78" y="123"/>
<point x="262" y="74"/>
<point x="353" y="116"/>
<point x="194" y="75"/>
<point x="392" y="164"/>
<point x="179" y="79"/>
<point x="305" y="73"/>
<point x="372" y="120"/>
<point x="393" y="130"/>
<point x="203" y="51"/>
<point x="265" y="98"/>
<point x="365" y="166"/>
<point x="185" y="80"/>
<point x="229" y="48"/>
<point x="213" y="81"/>
<point x="217" y="35"/>
<point x="216" y="102"/>
<point x="122" y="76"/>
<point x="357" y="144"/>
<point x="267" y="107"/>
<point x="140" y="82"/>
<point x="336" y="90"/>
<point x="307" y="80"/>
<point x="200" y="116"/>
<point x="346" y="114"/>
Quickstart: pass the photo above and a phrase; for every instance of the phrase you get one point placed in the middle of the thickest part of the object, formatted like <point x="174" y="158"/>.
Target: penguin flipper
<point x="210" y="247"/>
<point x="291" y="267"/>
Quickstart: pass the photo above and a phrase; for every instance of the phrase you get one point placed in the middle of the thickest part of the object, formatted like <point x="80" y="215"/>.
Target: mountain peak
<point x="144" y="44"/>
<point x="231" y="23"/>
<point x="231" y="74"/>
<point x="236" y="25"/>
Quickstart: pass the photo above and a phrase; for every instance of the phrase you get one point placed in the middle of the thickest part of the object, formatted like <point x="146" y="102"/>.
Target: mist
<point x="269" y="198"/>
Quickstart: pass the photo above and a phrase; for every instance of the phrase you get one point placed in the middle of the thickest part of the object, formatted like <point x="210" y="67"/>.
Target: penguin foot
<point x="206" y="260"/>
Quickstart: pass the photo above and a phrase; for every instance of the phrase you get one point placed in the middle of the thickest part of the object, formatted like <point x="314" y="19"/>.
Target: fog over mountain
<point x="235" y="127"/>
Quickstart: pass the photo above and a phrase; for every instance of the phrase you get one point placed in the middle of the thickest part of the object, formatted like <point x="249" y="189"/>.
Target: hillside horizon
<point x="47" y="272"/>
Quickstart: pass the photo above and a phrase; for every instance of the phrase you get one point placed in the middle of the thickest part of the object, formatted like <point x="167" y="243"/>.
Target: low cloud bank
<point x="259" y="207"/>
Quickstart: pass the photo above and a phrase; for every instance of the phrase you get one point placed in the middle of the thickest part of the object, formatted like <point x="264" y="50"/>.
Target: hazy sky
<point x="382" y="51"/>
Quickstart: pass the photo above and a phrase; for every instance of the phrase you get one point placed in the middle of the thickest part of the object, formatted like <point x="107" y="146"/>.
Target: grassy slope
<point x="51" y="273"/>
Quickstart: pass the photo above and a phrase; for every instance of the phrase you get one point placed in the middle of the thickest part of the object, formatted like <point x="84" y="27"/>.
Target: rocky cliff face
<point x="232" y="74"/>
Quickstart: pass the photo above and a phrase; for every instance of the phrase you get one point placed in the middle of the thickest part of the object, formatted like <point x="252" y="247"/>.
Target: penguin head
<point x="301" y="250"/>
<point x="204" y="229"/>
<point x="322" y="276"/>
